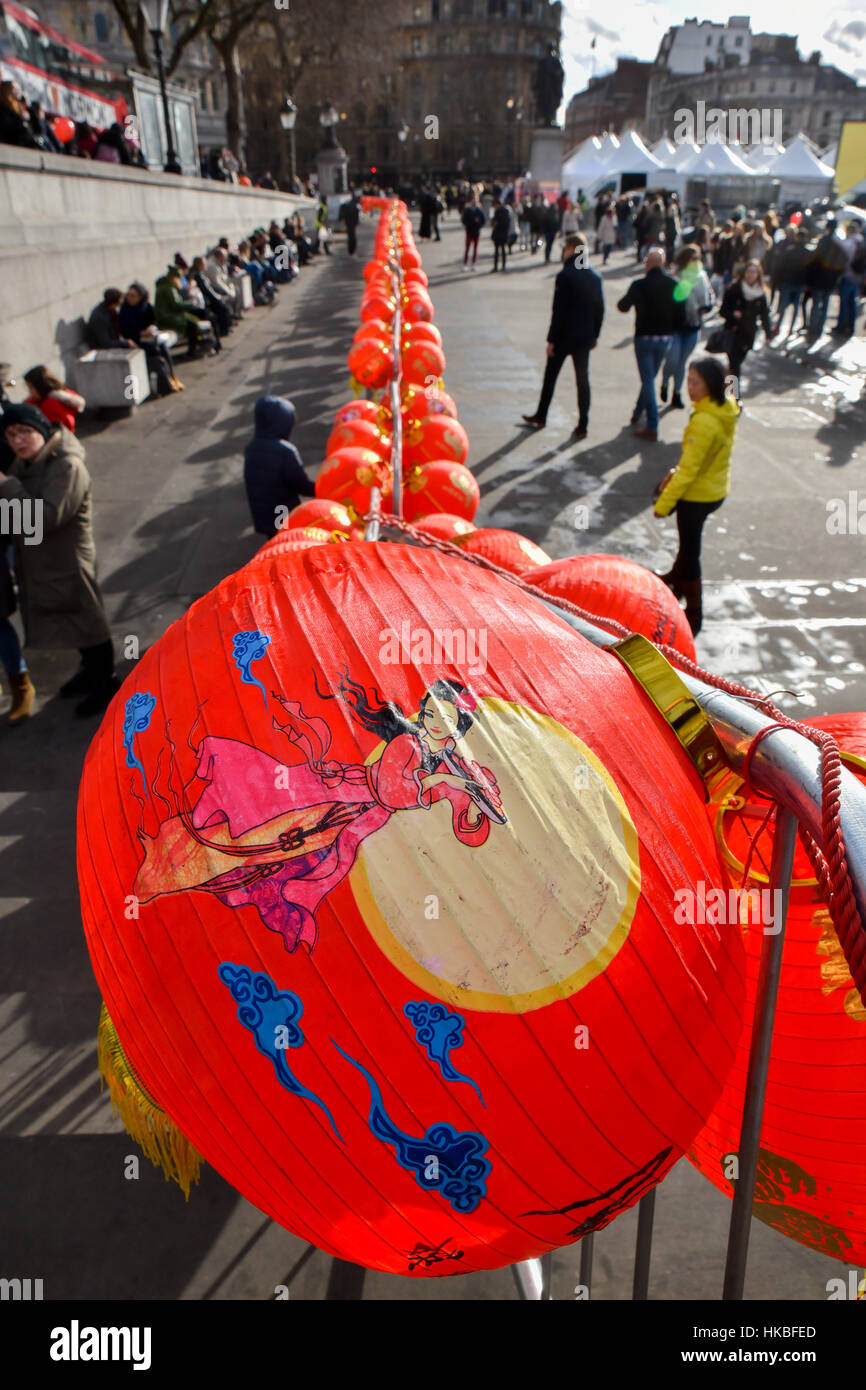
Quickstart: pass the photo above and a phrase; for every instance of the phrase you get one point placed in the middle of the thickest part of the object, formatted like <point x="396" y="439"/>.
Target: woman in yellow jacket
<point x="701" y="481"/>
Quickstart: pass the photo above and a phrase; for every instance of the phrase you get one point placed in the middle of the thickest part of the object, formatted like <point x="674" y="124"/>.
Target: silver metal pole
<point x="529" y="1278"/>
<point x="586" y="1261"/>
<point x="396" y="417"/>
<point x="546" y="1275"/>
<point x="644" y="1245"/>
<point x="784" y="841"/>
<point x="371" y="532"/>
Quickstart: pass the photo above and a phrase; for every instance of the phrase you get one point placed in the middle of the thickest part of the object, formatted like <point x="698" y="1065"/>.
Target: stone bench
<point x="113" y="377"/>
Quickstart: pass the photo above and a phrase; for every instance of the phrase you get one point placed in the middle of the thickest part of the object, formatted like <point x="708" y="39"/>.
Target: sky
<point x="634" y="28"/>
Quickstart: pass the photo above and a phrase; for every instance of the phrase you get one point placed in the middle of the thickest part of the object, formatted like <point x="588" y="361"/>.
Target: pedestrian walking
<point x="523" y="223"/>
<point x="851" y="280"/>
<point x="743" y="308"/>
<point x="350" y="216"/>
<point x="473" y="220"/>
<point x="701" y="480"/>
<point x="575" y="325"/>
<point x="536" y="222"/>
<point x="789" y="273"/>
<point x="501" y="229"/>
<point x="607" y="232"/>
<point x="658" y="315"/>
<point x="549" y="227"/>
<point x="274" y="474"/>
<point x="61" y="605"/>
<point x="694" y="291"/>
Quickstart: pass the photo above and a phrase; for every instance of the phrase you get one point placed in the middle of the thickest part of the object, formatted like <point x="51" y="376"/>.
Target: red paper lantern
<point x="357" y="410"/>
<point x="422" y="332"/>
<point x="439" y="402"/>
<point x="321" y="512"/>
<point x="349" y="475"/>
<point x="444" y="525"/>
<point x="507" y="549"/>
<point x="422" y="1091"/>
<point x="415" y="276"/>
<point x="63" y="128"/>
<point x="620" y="589"/>
<point x="373" y="267"/>
<point x="440" y="486"/>
<point x="811" y="1182"/>
<point x="378" y="306"/>
<point x="417" y="305"/>
<point x="373" y="330"/>
<point x="371" y="363"/>
<point x="410" y="258"/>
<point x="435" y="437"/>
<point x="286" y="540"/>
<point x="422" y="363"/>
<point x="362" y="433"/>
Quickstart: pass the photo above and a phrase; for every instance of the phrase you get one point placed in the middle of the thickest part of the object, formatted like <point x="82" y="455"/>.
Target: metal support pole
<point x="171" y="161"/>
<point x="644" y="1245"/>
<point x="586" y="1262"/>
<point x="529" y="1278"/>
<point x="784" y="840"/>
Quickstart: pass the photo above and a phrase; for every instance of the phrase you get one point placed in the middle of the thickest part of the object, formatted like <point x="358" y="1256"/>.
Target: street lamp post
<point x="288" y="116"/>
<point x="156" y="17"/>
<point x="402" y="136"/>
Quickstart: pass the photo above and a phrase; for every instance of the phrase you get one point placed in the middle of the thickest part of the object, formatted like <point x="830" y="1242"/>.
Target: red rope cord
<point x="829" y="859"/>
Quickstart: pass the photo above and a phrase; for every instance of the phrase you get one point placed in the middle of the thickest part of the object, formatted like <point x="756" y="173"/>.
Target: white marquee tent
<point x="760" y="157"/>
<point x="665" y="150"/>
<point x="715" y="161"/>
<point x="801" y="174"/>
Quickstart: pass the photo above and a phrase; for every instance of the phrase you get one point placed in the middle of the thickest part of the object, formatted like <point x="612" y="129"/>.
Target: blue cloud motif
<point x="438" y="1031"/>
<point x="264" y="1009"/>
<point x="136" y="718"/>
<point x="248" y="647"/>
<point x="460" y="1171"/>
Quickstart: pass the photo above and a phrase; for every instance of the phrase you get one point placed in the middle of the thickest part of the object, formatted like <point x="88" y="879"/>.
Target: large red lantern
<point x="371" y="363"/>
<point x="319" y="511"/>
<point x="440" y="486"/>
<point x="507" y="549"/>
<point x="350" y="475"/>
<point x="422" y="363"/>
<point x="377" y="861"/>
<point x="811" y="1182"/>
<point x="357" y="410"/>
<point x="300" y="539"/>
<point x="435" y="437"/>
<point x="362" y="433"/>
<point x="445" y="526"/>
<point x="620" y="589"/>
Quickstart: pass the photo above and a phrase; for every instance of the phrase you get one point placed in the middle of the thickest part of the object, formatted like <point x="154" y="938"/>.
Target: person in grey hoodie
<point x="274" y="475"/>
<point x="695" y="292"/>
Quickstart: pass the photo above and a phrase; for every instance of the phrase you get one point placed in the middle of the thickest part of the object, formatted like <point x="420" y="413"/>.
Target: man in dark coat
<point x="658" y="315"/>
<point x="273" y="472"/>
<point x="14" y="125"/>
<point x="578" y="313"/>
<point x="350" y="214"/>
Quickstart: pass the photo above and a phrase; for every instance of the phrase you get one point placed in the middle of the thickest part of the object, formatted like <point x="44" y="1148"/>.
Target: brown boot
<point x="673" y="581"/>
<point x="23" y="695"/>
<point x="692" y="593"/>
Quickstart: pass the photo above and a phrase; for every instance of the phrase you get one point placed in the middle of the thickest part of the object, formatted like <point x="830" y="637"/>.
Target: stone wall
<point x="70" y="227"/>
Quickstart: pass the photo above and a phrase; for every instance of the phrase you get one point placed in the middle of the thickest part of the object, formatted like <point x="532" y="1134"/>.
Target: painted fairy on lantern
<point x="280" y="838"/>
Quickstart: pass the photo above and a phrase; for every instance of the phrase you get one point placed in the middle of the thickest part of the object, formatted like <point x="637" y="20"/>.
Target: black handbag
<point x="720" y="340"/>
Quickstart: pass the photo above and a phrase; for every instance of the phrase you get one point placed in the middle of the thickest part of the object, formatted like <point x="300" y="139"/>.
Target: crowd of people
<point x="43" y="470"/>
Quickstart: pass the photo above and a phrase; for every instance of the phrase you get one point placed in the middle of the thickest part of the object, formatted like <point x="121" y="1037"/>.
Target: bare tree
<point x="227" y="22"/>
<point x="191" y="21"/>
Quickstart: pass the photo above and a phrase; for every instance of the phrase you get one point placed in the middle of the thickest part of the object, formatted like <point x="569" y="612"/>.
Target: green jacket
<point x="703" y="473"/>
<point x="170" y="308"/>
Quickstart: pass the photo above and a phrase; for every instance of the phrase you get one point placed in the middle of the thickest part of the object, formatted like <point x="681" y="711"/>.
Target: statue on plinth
<point x="547" y="86"/>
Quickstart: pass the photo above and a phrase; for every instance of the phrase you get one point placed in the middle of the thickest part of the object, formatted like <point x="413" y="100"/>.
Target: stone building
<point x="615" y="101"/>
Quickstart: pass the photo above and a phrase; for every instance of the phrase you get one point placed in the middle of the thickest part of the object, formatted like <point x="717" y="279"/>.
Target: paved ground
<point x="782" y="604"/>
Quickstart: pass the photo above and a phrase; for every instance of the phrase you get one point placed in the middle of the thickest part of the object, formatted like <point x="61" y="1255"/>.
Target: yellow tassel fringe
<point x="158" y="1137"/>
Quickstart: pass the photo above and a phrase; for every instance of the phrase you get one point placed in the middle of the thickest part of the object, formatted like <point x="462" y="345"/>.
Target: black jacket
<point x="752" y="311"/>
<point x="14" y="130"/>
<point x="657" y="312"/>
<point x="273" y="472"/>
<point x="103" y="328"/>
<point x="826" y="263"/>
<point x="473" y="220"/>
<point x="578" y="306"/>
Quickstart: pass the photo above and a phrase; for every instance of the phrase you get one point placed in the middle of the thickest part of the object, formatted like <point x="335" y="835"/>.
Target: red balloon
<point x="357" y="410"/>
<point x="811" y="1182"/>
<point x="422" y="332"/>
<point x="440" y="486"/>
<point x="422" y="363"/>
<point x="349" y="475"/>
<point x="63" y="128"/>
<point x="507" y="549"/>
<point x="245" y="181"/>
<point x="371" y="363"/>
<point x="363" y="433"/>
<point x="620" y="589"/>
<point x="320" y="512"/>
<point x="435" y="437"/>
<point x="273" y="990"/>
<point x="795" y="219"/>
<point x="444" y="525"/>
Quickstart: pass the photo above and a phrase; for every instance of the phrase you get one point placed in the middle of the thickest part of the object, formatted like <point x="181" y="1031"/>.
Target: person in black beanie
<point x="55" y="557"/>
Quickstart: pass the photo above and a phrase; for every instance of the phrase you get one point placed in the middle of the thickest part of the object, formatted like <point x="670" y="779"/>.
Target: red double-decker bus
<point x="50" y="68"/>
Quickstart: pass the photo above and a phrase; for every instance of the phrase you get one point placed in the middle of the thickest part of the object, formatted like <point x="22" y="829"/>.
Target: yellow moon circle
<point x="536" y="911"/>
